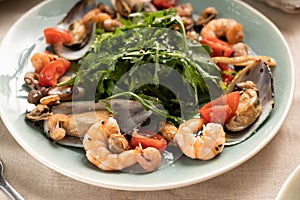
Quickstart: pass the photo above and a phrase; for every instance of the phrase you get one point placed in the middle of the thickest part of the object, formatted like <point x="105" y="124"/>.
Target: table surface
<point x="261" y="177"/>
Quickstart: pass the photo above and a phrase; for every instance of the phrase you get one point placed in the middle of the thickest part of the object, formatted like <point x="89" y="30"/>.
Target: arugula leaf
<point x="148" y="61"/>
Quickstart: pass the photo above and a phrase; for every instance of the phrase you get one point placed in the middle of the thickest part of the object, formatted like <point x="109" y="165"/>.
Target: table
<point x="261" y="177"/>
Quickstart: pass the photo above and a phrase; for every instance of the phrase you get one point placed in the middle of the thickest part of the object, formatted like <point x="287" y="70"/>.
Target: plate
<point x="290" y="188"/>
<point x="261" y="35"/>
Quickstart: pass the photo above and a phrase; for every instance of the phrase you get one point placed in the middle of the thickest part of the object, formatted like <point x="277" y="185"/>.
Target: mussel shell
<point x="260" y="74"/>
<point x="75" y="107"/>
<point x="75" y="52"/>
<point x="77" y="49"/>
<point x="130" y="114"/>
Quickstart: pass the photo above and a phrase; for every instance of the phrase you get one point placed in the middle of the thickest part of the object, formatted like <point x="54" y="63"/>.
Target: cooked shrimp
<point x="95" y="15"/>
<point x="107" y="9"/>
<point x="104" y="19"/>
<point x="222" y="27"/>
<point x="39" y="60"/>
<point x="81" y="122"/>
<point x="111" y="24"/>
<point x="203" y="147"/>
<point x="53" y="124"/>
<point x="149" y="159"/>
<point x="167" y="130"/>
<point x="95" y="143"/>
<point x="107" y="149"/>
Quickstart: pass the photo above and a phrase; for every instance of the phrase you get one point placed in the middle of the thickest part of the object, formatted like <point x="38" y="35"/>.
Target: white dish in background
<point x="261" y="35"/>
<point x="289" y="6"/>
<point x="290" y="190"/>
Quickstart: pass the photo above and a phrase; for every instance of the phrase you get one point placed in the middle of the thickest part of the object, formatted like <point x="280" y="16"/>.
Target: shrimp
<point x="149" y="159"/>
<point x="203" y="147"/>
<point x="106" y="148"/>
<point x="222" y="27"/>
<point x="104" y="19"/>
<point x="40" y="60"/>
<point x="167" y="130"/>
<point x="111" y="24"/>
<point x="53" y="124"/>
<point x="95" y="15"/>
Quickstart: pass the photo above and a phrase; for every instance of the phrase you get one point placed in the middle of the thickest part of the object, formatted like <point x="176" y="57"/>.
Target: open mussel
<point x="82" y="33"/>
<point x="78" y="116"/>
<point x="258" y="77"/>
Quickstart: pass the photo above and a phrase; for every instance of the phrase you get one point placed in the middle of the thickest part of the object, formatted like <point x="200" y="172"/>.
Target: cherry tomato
<point x="222" y="109"/>
<point x="219" y="47"/>
<point x="52" y="71"/>
<point x="56" y="35"/>
<point x="164" y="4"/>
<point x="147" y="138"/>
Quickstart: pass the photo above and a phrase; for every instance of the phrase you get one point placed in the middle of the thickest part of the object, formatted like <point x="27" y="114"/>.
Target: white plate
<point x="261" y="35"/>
<point x="291" y="187"/>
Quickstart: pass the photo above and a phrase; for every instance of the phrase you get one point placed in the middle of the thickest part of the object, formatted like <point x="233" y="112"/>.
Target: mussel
<point x="83" y="34"/>
<point x="83" y="114"/>
<point x="126" y="7"/>
<point x="260" y="74"/>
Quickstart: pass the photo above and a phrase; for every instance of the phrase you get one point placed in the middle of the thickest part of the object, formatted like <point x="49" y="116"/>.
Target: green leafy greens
<point x="148" y="61"/>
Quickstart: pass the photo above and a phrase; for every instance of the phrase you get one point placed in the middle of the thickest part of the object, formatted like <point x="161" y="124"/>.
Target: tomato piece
<point x="52" y="71"/>
<point x="164" y="4"/>
<point x="216" y="114"/>
<point x="148" y="138"/>
<point x="222" y="109"/>
<point x="219" y="47"/>
<point x="56" y="35"/>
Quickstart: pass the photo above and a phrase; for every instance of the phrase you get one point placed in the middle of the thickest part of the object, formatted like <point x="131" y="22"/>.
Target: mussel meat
<point x="83" y="114"/>
<point x="259" y="74"/>
<point x="82" y="34"/>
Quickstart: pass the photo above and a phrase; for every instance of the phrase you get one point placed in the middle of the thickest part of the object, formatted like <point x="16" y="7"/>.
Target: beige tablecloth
<point x="261" y="177"/>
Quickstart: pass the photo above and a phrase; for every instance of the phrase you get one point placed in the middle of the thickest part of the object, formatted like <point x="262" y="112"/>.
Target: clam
<point x="83" y="34"/>
<point x="260" y="74"/>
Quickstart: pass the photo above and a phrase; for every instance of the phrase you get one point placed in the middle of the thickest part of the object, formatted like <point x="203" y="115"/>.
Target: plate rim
<point x="170" y="185"/>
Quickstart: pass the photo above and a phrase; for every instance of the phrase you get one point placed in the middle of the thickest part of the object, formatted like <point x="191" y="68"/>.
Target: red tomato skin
<point x="164" y="4"/>
<point x="222" y="109"/>
<point x="219" y="47"/>
<point x="52" y="71"/>
<point x="54" y="35"/>
<point x="154" y="140"/>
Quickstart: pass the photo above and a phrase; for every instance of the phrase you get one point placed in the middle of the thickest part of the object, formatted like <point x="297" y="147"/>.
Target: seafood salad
<point x="139" y="83"/>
